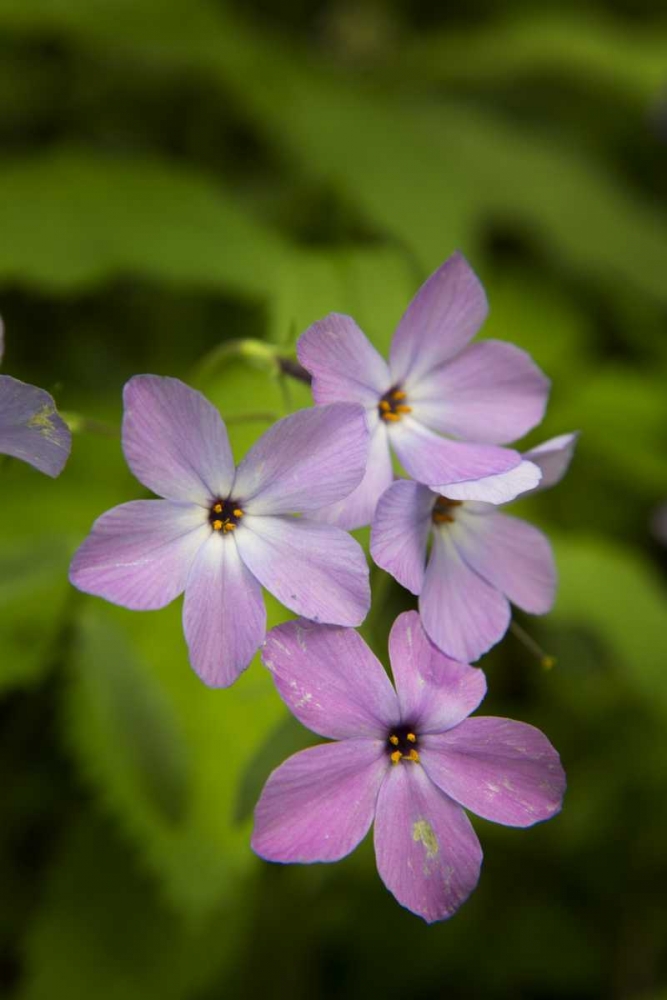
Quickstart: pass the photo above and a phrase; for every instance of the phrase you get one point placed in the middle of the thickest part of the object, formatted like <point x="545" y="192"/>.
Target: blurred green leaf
<point x="611" y="590"/>
<point x="73" y="218"/>
<point x="101" y="931"/>
<point x="587" y="46"/>
<point x="33" y="597"/>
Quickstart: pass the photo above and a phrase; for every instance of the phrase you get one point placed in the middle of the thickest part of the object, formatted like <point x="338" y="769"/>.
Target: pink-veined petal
<point x="511" y="555"/>
<point x="139" y="554"/>
<point x="175" y="441"/>
<point x="316" y="570"/>
<point x="328" y="677"/>
<point x="427" y="852"/>
<point x="31" y="428"/>
<point x="344" y="365"/>
<point x="502" y="770"/>
<point x="498" y="489"/>
<point x="434" y="692"/>
<point x="400" y="532"/>
<point x="491" y="392"/>
<point x="305" y="461"/>
<point x="224" y="618"/>
<point x="319" y="804"/>
<point x="461" y="613"/>
<point x="553" y="457"/>
<point x="444" y="315"/>
<point x="357" y="509"/>
<point x="438" y="462"/>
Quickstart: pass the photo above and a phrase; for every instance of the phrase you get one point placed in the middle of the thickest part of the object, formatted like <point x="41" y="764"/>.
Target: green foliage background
<point x="179" y="174"/>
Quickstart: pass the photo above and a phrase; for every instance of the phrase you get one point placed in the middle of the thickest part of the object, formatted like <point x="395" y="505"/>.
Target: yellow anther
<point x="403" y="409"/>
<point x="217" y="508"/>
<point x="396" y="756"/>
<point x="398" y="394"/>
<point x="411" y="738"/>
<point x="395" y="740"/>
<point x="216" y="525"/>
<point x="440" y="517"/>
<point x="391" y="416"/>
<point x="413" y="755"/>
<point x="237" y="512"/>
<point x="228" y="526"/>
<point x="384" y="405"/>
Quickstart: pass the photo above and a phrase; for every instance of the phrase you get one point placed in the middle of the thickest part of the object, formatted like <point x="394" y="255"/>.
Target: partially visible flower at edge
<point x="409" y="759"/>
<point x="224" y="532"/>
<point x="436" y="383"/>
<point x="30" y="426"/>
<point x="480" y="558"/>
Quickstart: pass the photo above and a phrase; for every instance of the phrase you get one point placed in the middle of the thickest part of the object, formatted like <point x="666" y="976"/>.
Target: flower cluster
<point x="409" y="758"/>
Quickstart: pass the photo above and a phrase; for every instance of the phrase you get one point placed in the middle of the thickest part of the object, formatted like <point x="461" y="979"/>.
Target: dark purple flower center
<point x="443" y="511"/>
<point x="393" y="404"/>
<point x="402" y="744"/>
<point x="224" y="515"/>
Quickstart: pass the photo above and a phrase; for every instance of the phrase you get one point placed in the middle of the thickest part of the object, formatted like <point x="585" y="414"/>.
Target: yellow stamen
<point x="217" y="508"/>
<point x="394" y="740"/>
<point x="411" y="738"/>
<point x="237" y="512"/>
<point x="384" y="405"/>
<point x="396" y="756"/>
<point x="216" y="525"/>
<point x="391" y="416"/>
<point x="228" y="526"/>
<point x="398" y="394"/>
<point x="413" y="755"/>
<point x="403" y="409"/>
<point x="440" y="517"/>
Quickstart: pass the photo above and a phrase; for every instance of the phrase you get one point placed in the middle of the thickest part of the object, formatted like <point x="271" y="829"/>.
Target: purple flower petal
<point x="319" y="804"/>
<point x="328" y="677"/>
<point x="400" y="532"/>
<point x="504" y="771"/>
<point x="30" y="427"/>
<point x="553" y="458"/>
<point x="175" y="441"/>
<point x="305" y="461"/>
<point x="316" y="570"/>
<point x="461" y="613"/>
<point x="444" y="315"/>
<point x="343" y="363"/>
<point x="439" y="462"/>
<point x="139" y="554"/>
<point x="491" y="392"/>
<point x="498" y="489"/>
<point x="428" y="854"/>
<point x="434" y="692"/>
<point x="356" y="510"/>
<point x="511" y="555"/>
<point x="223" y="613"/>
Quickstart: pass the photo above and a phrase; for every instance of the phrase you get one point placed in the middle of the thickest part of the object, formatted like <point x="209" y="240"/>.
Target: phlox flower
<point x="222" y="533"/>
<point x="436" y="387"/>
<point x="30" y="427"/>
<point x="409" y="759"/>
<point x="480" y="559"/>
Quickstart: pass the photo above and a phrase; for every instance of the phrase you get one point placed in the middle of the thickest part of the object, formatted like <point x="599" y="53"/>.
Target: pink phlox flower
<point x="30" y="427"/>
<point x="408" y="759"/>
<point x="479" y="561"/>
<point x="222" y="533"/>
<point x="436" y="383"/>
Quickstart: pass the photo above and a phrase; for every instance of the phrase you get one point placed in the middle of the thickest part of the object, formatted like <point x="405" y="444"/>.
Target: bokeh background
<point x="176" y="175"/>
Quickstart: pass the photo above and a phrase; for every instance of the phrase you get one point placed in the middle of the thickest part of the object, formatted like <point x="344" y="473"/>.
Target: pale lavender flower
<point x="223" y="533"/>
<point x="436" y="383"/>
<point x="480" y="559"/>
<point x="30" y="427"/>
<point x="409" y="759"/>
